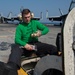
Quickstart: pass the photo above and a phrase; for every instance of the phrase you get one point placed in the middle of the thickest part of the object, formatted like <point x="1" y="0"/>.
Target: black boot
<point x="7" y="69"/>
<point x="2" y="67"/>
<point x="11" y="68"/>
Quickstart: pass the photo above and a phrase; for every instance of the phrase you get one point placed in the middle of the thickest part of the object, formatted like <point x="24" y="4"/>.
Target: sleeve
<point x="43" y="28"/>
<point x="18" y="35"/>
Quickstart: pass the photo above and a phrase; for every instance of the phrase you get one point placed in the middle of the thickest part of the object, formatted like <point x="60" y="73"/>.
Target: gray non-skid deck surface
<point x="6" y="38"/>
<point x="7" y="32"/>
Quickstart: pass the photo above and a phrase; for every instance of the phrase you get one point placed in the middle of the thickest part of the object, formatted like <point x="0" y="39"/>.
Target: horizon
<point x="35" y="6"/>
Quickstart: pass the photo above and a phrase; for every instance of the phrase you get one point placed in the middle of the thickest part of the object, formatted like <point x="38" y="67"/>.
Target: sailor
<point x="26" y="42"/>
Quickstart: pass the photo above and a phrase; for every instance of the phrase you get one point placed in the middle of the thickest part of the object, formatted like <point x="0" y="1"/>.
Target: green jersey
<point x="24" y="31"/>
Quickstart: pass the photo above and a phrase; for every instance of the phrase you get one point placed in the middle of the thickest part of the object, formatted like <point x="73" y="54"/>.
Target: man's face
<point x="26" y="18"/>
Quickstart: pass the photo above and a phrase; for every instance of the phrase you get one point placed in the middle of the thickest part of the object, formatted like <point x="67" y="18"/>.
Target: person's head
<point x="26" y="15"/>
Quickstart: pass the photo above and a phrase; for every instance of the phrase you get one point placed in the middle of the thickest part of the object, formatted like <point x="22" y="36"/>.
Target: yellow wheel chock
<point x="22" y="72"/>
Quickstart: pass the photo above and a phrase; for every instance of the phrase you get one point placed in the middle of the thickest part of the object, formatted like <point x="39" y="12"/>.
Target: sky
<point x="36" y="6"/>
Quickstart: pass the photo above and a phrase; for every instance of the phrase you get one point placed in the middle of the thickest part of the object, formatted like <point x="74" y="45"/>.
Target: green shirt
<point x="24" y="31"/>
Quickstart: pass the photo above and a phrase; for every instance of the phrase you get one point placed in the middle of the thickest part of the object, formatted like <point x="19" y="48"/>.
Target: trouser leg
<point x="15" y="55"/>
<point x="43" y="48"/>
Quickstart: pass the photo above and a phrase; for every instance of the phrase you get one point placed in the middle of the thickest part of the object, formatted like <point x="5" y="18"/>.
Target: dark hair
<point x="25" y="11"/>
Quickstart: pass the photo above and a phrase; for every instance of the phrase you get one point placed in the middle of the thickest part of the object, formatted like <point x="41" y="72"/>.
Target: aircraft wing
<point x="5" y="19"/>
<point x="57" y="18"/>
<point x="16" y="18"/>
<point x="36" y="18"/>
